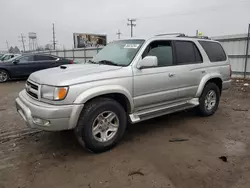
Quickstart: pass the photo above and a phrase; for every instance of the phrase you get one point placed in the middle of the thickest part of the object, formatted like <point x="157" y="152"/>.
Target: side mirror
<point x="15" y="61"/>
<point x="148" y="61"/>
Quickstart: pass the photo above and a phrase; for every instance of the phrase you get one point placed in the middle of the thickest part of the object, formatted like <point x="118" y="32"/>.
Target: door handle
<point x="203" y="71"/>
<point x="171" y="74"/>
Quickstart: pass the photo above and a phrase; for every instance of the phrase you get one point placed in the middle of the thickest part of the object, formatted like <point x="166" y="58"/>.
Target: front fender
<point x="204" y="80"/>
<point x="102" y="90"/>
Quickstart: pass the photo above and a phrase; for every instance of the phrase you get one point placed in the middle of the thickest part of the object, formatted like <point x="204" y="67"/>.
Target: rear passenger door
<point x="189" y="62"/>
<point x="45" y="61"/>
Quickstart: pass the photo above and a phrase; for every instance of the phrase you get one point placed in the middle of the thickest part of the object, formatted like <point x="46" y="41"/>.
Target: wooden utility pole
<point x="119" y="34"/>
<point x="54" y="37"/>
<point x="131" y="24"/>
<point x="7" y="44"/>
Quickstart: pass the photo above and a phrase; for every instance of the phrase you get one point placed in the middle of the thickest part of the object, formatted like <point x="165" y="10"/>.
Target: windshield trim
<point x="137" y="50"/>
<point x="143" y="41"/>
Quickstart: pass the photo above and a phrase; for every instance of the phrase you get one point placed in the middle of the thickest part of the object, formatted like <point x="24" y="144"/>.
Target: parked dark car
<point x="24" y="65"/>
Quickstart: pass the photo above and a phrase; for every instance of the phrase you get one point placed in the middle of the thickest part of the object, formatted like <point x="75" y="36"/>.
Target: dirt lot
<point x="145" y="158"/>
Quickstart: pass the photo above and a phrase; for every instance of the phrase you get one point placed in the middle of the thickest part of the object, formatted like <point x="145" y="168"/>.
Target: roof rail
<point x="199" y="37"/>
<point x="178" y="34"/>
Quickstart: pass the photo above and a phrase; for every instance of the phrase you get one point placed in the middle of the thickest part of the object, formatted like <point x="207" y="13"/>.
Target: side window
<point x="187" y="53"/>
<point x="162" y="50"/>
<point x="45" y="58"/>
<point x="26" y="59"/>
<point x="214" y="51"/>
<point x="197" y="53"/>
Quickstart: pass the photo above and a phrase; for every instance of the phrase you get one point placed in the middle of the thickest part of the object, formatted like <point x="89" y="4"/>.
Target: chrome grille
<point x="32" y="89"/>
<point x="33" y="86"/>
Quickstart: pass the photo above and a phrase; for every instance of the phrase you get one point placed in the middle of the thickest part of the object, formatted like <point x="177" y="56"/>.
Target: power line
<point x="119" y="34"/>
<point x="197" y="11"/>
<point x="131" y="24"/>
<point x="22" y="41"/>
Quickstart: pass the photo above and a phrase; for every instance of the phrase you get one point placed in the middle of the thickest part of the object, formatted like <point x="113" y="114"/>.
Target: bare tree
<point x="16" y="50"/>
<point x="11" y="50"/>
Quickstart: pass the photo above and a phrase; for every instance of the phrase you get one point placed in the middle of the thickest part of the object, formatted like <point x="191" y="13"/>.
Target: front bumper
<point x="60" y="117"/>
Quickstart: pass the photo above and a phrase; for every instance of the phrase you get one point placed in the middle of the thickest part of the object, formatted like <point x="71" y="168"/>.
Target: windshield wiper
<point x="90" y="61"/>
<point x="107" y="62"/>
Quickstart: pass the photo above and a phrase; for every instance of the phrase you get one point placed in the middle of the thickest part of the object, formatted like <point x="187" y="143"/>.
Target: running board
<point x="162" y="110"/>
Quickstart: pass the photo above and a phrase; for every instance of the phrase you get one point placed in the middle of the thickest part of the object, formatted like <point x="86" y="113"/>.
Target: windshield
<point x="13" y="58"/>
<point x="8" y="57"/>
<point x="5" y="57"/>
<point x="119" y="52"/>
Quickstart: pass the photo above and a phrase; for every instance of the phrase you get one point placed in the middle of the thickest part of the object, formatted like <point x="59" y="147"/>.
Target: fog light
<point x="42" y="122"/>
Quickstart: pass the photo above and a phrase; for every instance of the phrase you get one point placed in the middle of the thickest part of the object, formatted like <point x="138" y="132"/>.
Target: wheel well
<point x="120" y="98"/>
<point x="217" y="81"/>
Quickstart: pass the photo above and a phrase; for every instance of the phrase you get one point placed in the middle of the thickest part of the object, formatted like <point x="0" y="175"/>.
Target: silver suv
<point x="128" y="80"/>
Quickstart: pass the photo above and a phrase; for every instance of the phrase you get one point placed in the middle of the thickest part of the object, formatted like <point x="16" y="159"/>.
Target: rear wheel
<point x="209" y="99"/>
<point x="4" y="76"/>
<point x="101" y="125"/>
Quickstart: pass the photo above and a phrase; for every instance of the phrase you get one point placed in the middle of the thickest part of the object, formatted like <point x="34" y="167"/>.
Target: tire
<point x="4" y="76"/>
<point x="92" y="116"/>
<point x="208" y="107"/>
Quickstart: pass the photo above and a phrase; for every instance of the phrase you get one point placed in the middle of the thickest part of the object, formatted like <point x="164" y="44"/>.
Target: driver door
<point x="23" y="66"/>
<point x="156" y="86"/>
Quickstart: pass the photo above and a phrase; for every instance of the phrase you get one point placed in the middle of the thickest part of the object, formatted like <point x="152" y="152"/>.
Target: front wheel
<point x="4" y="76"/>
<point x="209" y="99"/>
<point x="101" y="125"/>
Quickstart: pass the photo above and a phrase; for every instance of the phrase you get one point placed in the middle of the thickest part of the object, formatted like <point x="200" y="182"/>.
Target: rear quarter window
<point x="214" y="51"/>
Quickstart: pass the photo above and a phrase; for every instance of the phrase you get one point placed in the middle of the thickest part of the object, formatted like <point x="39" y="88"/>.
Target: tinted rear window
<point x="185" y="52"/>
<point x="214" y="51"/>
<point x="44" y="58"/>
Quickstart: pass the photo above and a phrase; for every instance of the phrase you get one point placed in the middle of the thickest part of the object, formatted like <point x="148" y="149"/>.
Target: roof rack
<point x="178" y="34"/>
<point x="199" y="37"/>
<point x="183" y="35"/>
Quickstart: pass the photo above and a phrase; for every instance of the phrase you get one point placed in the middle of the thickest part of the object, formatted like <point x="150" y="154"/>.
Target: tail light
<point x="71" y="62"/>
<point x="230" y="70"/>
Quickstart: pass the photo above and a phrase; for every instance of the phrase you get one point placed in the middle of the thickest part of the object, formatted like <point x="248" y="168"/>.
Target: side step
<point x="162" y="110"/>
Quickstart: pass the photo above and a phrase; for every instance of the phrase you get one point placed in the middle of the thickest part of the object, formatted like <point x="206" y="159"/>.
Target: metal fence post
<point x="248" y="35"/>
<point x="84" y="50"/>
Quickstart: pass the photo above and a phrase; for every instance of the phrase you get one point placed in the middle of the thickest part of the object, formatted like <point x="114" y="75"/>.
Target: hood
<point x="73" y="74"/>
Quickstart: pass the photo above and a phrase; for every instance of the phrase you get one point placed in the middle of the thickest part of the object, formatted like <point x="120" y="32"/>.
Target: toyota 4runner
<point x="128" y="80"/>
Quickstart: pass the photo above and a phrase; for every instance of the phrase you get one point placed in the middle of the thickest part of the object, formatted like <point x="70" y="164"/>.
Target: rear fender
<point x="204" y="80"/>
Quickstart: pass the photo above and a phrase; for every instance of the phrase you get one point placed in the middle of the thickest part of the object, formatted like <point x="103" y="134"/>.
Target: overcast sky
<point x="212" y="17"/>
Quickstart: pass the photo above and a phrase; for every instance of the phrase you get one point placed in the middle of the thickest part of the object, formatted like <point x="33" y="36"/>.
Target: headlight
<point x="54" y="93"/>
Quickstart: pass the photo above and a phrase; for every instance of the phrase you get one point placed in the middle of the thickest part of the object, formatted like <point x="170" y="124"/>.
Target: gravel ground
<point x="145" y="158"/>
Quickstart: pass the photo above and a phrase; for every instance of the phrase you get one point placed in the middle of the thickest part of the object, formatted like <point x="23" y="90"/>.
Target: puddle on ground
<point x="235" y="147"/>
